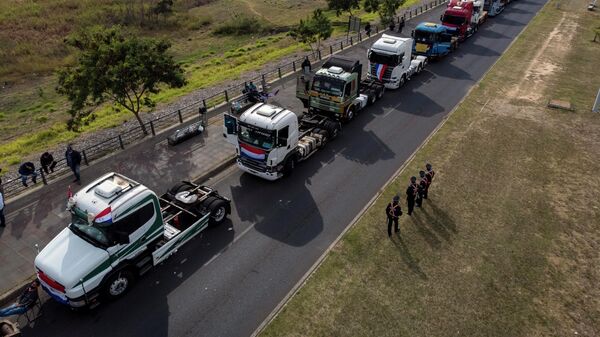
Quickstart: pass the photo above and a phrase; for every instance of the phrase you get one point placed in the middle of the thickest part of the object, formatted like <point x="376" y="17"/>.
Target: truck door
<point x="134" y="229"/>
<point x="230" y="127"/>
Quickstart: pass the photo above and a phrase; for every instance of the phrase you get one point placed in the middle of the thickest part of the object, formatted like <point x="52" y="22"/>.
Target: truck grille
<point x="253" y="164"/>
<point x="387" y="74"/>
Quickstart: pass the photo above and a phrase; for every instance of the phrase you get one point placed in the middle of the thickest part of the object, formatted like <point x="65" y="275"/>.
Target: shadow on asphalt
<point x="147" y="300"/>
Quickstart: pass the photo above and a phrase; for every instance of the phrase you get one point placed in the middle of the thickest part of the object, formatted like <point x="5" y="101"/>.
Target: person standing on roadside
<point x="422" y="187"/>
<point x="393" y="212"/>
<point x="411" y="194"/>
<point x="429" y="174"/>
<point x="392" y="25"/>
<point x="73" y="158"/>
<point x="25" y="170"/>
<point x="47" y="162"/>
<point x="368" y="29"/>
<point x="2" y="219"/>
<point x="401" y="24"/>
<point x="306" y="66"/>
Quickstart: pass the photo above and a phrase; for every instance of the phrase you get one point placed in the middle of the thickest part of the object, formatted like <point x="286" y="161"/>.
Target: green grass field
<point x="508" y="243"/>
<point x="32" y="115"/>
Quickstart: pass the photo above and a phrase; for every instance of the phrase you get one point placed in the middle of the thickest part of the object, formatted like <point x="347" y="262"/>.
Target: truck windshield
<point x="90" y="233"/>
<point x="390" y="60"/>
<point x="257" y="137"/>
<point x="453" y="20"/>
<point x="328" y="85"/>
<point x="424" y="37"/>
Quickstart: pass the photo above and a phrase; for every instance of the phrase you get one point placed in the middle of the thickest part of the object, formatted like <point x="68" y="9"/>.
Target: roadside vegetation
<point x="213" y="41"/>
<point x="507" y="244"/>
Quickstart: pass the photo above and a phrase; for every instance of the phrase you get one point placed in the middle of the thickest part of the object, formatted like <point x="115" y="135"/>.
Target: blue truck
<point x="434" y="40"/>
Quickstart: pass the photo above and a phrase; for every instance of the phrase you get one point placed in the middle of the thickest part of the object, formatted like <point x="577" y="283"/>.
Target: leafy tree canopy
<point x="313" y="30"/>
<point x="115" y="67"/>
<point x="340" y="6"/>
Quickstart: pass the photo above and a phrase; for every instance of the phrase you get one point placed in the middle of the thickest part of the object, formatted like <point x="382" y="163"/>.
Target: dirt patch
<point x="547" y="60"/>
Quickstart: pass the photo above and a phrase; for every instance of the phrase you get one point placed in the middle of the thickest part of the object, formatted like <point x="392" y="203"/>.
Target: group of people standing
<point x="415" y="193"/>
<point x="392" y="26"/>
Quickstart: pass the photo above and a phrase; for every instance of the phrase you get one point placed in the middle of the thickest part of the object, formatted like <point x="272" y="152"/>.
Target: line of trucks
<point x="120" y="229"/>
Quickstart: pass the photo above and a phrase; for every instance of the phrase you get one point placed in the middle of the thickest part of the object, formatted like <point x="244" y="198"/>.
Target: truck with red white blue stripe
<point x="120" y="229"/>
<point x="269" y="140"/>
<point x="391" y="61"/>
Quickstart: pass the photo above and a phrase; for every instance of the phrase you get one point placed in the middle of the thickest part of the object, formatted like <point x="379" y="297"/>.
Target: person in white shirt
<point x="2" y="220"/>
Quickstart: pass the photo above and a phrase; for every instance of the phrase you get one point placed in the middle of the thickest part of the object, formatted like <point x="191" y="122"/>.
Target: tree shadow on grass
<point x="410" y="261"/>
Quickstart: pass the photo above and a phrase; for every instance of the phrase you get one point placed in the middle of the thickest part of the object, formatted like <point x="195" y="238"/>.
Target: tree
<point x="115" y="67"/>
<point x="386" y="8"/>
<point x="313" y="30"/>
<point x="340" y="6"/>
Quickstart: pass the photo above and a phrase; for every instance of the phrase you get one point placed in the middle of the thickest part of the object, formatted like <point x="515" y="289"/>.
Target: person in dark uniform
<point x="393" y="212"/>
<point x="306" y="66"/>
<point x="422" y="187"/>
<point x="401" y="25"/>
<point x="392" y="25"/>
<point x="429" y="174"/>
<point x="411" y="194"/>
<point x="368" y="29"/>
<point x="48" y="163"/>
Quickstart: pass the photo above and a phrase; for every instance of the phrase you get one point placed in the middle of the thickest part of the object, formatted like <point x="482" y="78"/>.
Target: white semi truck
<point x="270" y="140"/>
<point x="391" y="61"/>
<point x="120" y="229"/>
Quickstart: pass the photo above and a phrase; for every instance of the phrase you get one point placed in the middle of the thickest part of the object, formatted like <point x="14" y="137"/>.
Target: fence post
<point x="330" y="50"/>
<point x="376" y="29"/>
<point x="279" y="71"/>
<point x="179" y="114"/>
<point x="294" y="65"/>
<point x="121" y="140"/>
<point x="43" y="177"/>
<point x="202" y="112"/>
<point x="152" y="128"/>
<point x="342" y="45"/>
<point x="359" y="36"/>
<point x="351" y="42"/>
<point x="319" y="53"/>
<point x="226" y="95"/>
<point x="204" y="103"/>
<point x="85" y="158"/>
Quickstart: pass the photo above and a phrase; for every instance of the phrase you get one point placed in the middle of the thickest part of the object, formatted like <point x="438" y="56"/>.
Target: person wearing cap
<point x="411" y="194"/>
<point x="393" y="212"/>
<point x="422" y="187"/>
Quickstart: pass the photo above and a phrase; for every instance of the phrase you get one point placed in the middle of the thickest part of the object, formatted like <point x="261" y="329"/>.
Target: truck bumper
<point x="272" y="176"/>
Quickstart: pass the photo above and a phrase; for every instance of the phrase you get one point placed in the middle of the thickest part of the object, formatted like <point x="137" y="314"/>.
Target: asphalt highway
<point x="228" y="280"/>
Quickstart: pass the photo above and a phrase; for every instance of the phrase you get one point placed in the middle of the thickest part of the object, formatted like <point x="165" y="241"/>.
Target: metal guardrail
<point x="13" y="187"/>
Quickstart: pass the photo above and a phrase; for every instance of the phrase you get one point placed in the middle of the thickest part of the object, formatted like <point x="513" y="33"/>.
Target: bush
<point x="241" y="25"/>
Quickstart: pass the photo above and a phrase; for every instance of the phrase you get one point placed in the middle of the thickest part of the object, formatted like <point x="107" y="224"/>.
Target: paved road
<point x="226" y="282"/>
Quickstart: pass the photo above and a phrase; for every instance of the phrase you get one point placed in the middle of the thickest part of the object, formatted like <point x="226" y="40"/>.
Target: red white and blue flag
<point x="104" y="217"/>
<point x="380" y="70"/>
<point x="252" y="152"/>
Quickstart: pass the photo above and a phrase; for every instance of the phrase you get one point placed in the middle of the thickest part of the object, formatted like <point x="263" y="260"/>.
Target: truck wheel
<point x="402" y="80"/>
<point x="289" y="166"/>
<point x="119" y="284"/>
<point x="218" y="212"/>
<point x="350" y="114"/>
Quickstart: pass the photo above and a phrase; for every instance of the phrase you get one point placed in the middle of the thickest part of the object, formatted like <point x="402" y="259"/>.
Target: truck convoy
<point x="434" y="40"/>
<point x="465" y="16"/>
<point x="391" y="61"/>
<point x="120" y="229"/>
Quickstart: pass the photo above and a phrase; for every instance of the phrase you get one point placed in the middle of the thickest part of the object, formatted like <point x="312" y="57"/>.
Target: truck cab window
<point x="282" y="136"/>
<point x="135" y="220"/>
<point x="348" y="90"/>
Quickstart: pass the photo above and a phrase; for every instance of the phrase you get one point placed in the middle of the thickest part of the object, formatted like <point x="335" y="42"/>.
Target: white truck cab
<point x="119" y="229"/>
<point x="391" y="62"/>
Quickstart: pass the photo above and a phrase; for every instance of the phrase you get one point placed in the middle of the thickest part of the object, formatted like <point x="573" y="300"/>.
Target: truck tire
<point x="350" y="114"/>
<point x="402" y="80"/>
<point x="218" y="212"/>
<point x="289" y="166"/>
<point x="381" y="92"/>
<point x="119" y="284"/>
